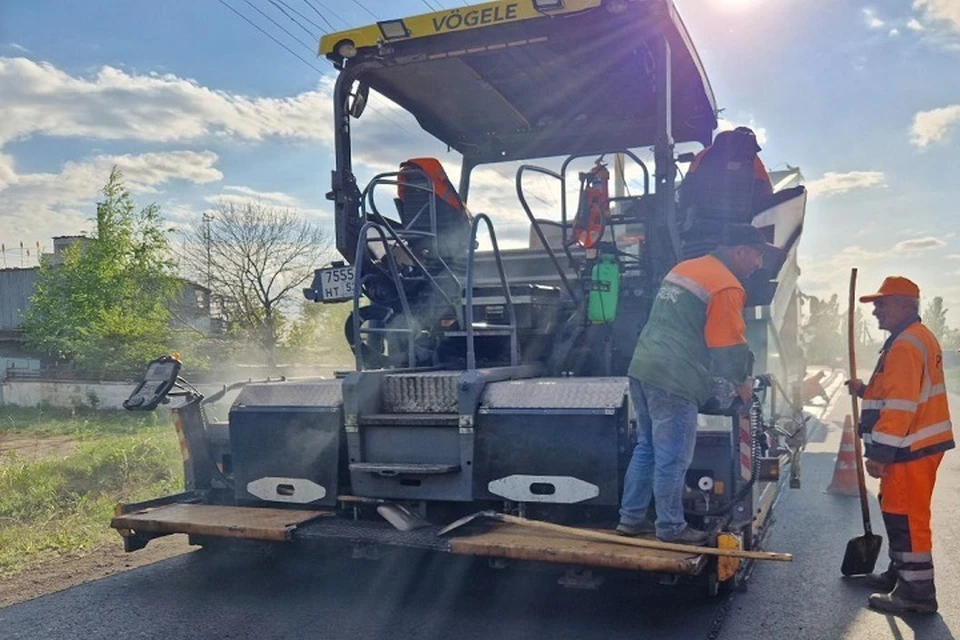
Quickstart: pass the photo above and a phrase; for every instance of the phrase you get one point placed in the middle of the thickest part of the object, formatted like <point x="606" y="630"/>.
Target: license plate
<point x="336" y="283"/>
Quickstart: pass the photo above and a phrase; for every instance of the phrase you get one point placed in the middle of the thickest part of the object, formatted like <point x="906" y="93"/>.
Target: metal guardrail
<point x="470" y="329"/>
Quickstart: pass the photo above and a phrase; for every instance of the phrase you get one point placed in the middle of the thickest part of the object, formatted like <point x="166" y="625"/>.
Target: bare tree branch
<point x="255" y="258"/>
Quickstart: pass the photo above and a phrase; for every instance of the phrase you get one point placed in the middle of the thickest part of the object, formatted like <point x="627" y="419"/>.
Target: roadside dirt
<point x="59" y="572"/>
<point x="31" y="447"/>
<point x="56" y="572"/>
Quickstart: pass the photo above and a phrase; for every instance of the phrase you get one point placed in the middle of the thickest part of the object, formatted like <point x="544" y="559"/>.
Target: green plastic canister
<point x="604" y="290"/>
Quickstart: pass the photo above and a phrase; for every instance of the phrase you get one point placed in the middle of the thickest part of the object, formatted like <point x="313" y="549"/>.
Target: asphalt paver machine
<point x="491" y="378"/>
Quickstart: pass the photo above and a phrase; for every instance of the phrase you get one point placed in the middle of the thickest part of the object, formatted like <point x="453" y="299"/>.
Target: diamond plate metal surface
<point x="322" y="393"/>
<point x="556" y="393"/>
<point x="422" y="392"/>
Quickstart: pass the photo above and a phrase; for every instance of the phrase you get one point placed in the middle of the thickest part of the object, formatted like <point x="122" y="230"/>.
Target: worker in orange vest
<point x="693" y="344"/>
<point x="905" y="426"/>
<point x="727" y="182"/>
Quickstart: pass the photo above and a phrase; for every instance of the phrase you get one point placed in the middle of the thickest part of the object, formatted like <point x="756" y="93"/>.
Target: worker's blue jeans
<point x="666" y="436"/>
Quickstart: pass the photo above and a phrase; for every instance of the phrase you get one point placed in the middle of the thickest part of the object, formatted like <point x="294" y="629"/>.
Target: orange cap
<point x="894" y="286"/>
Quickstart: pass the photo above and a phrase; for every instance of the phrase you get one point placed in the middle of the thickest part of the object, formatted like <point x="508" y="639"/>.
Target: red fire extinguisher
<point x="593" y="211"/>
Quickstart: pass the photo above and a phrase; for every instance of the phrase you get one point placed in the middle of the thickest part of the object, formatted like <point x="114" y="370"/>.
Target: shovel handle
<point x="857" y="447"/>
<point x="638" y="542"/>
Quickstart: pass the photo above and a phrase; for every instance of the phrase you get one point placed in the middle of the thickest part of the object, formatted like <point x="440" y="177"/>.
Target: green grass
<point x="81" y="424"/>
<point x="64" y="505"/>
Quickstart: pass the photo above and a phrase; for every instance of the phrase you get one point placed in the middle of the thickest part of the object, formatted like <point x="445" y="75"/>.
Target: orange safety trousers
<point x="906" y="491"/>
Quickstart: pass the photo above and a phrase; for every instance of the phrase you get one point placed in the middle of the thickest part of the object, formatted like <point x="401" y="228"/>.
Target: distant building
<point x="60" y="245"/>
<point x="16" y="288"/>
<point x="197" y="309"/>
<point x="192" y="310"/>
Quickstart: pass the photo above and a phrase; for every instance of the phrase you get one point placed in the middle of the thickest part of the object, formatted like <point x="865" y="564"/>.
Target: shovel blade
<point x="401" y="518"/>
<point x="464" y="521"/>
<point x="861" y="555"/>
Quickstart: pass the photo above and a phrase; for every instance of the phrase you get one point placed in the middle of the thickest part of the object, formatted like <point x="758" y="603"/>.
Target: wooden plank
<point x="250" y="523"/>
<point x="519" y="543"/>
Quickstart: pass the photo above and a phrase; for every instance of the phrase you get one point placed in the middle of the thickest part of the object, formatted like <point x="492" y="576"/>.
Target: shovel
<point x="402" y="518"/>
<point x="609" y="537"/>
<point x="862" y="551"/>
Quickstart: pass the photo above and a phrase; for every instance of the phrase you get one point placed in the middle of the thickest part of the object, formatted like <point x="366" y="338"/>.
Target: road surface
<point x="295" y="596"/>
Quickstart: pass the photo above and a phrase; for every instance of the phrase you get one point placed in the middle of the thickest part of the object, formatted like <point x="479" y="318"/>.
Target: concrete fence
<point x="62" y="393"/>
<point x="94" y="394"/>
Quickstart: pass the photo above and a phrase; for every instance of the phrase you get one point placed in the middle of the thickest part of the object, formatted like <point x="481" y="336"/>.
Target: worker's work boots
<point x="688" y="536"/>
<point x="900" y="601"/>
<point x="884" y="582"/>
<point x="641" y="528"/>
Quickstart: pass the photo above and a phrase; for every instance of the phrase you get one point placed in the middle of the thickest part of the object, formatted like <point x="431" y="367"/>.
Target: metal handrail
<point x="368" y="203"/>
<point x="385" y="226"/>
<point x="536" y="225"/>
<point x="362" y="255"/>
<point x="471" y="253"/>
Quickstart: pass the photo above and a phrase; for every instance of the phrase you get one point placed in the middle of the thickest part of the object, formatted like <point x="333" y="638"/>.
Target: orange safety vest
<point x="905" y="412"/>
<point x="695" y="332"/>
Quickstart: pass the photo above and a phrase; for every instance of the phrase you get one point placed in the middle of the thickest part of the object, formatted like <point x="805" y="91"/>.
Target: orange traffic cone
<point x="844" y="481"/>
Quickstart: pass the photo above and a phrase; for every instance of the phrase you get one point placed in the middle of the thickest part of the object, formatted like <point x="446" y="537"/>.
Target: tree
<point x="823" y="331"/>
<point x="935" y="317"/>
<point x="105" y="308"/>
<point x="257" y="259"/>
<point x="317" y="334"/>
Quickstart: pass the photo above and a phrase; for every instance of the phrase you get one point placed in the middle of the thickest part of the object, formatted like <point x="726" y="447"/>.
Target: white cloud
<point x="918" y="245"/>
<point x="953" y="256"/>
<point x="872" y="19"/>
<point x="38" y="98"/>
<point x="934" y="126"/>
<point x="7" y="173"/>
<point x="945" y="11"/>
<point x="35" y="206"/>
<point x="893" y="33"/>
<point x="834" y="183"/>
<point x="17" y="47"/>
<point x="142" y="173"/>
<point x="826" y="275"/>
<point x="914" y="25"/>
<point x="243" y="194"/>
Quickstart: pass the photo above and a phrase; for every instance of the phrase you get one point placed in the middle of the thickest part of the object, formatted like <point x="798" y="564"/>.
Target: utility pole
<point x="208" y="240"/>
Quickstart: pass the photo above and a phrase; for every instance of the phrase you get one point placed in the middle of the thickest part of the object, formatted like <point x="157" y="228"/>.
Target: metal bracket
<point x="582" y="579"/>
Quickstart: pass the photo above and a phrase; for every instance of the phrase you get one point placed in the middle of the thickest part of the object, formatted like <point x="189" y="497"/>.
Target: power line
<point x="303" y="16"/>
<point x="280" y="26"/>
<point x="322" y="17"/>
<point x="364" y="7"/>
<point x="329" y="10"/>
<point x="430" y="6"/>
<point x="261" y="30"/>
<point x="293" y="20"/>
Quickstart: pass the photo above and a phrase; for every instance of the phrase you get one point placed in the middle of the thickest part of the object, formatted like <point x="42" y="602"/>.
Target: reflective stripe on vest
<point x="689" y="284"/>
<point x="925" y="422"/>
<point x="908" y="440"/>
<point x="880" y="405"/>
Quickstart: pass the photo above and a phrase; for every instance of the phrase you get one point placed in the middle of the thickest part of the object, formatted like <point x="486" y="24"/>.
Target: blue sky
<point x="196" y="106"/>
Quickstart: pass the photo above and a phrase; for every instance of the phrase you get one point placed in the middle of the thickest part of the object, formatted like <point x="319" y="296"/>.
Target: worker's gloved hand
<point x="875" y="469"/>
<point x="856" y="387"/>
<point x="722" y="397"/>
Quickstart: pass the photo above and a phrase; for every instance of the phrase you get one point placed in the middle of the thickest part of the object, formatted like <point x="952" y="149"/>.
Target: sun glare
<point x="736" y="5"/>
